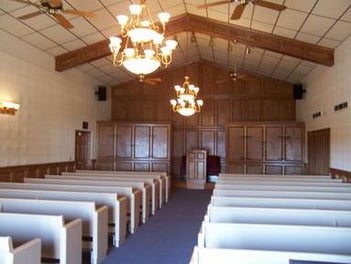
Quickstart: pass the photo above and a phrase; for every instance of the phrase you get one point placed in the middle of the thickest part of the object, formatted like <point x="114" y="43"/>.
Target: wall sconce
<point x="8" y="107"/>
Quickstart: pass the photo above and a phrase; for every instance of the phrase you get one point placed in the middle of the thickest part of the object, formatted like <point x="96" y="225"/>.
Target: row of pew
<point x="57" y="217"/>
<point x="285" y="219"/>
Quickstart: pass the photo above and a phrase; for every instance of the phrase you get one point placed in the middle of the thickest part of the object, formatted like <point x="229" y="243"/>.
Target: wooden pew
<point x="134" y="196"/>
<point x="276" y="202"/>
<point x="60" y="241"/>
<point x="26" y="252"/>
<point x="155" y="185"/>
<point x="282" y="194"/>
<point x="242" y="256"/>
<point x="94" y="218"/>
<point x="144" y="188"/>
<point x="297" y="238"/>
<point x="281" y="216"/>
<point x="117" y="206"/>
<point x="341" y="188"/>
<point x="162" y="176"/>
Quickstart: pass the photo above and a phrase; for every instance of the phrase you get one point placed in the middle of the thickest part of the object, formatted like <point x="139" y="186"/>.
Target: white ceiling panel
<point x="13" y="26"/>
<point x="86" y="5"/>
<point x="347" y="16"/>
<point x="340" y="31"/>
<point x="300" y="5"/>
<point x="38" y="40"/>
<point x="265" y="15"/>
<point x="284" y="32"/>
<point x="317" y="25"/>
<point x="291" y="19"/>
<point x="56" y="50"/>
<point x="332" y="9"/>
<point x="262" y="26"/>
<point x="75" y="44"/>
<point x="58" y="34"/>
<point x="82" y="27"/>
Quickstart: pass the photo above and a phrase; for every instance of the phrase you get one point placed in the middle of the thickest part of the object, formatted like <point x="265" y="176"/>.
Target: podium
<point x="196" y="169"/>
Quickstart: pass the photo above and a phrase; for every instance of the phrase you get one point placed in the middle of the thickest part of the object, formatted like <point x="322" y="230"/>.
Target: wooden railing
<point x="341" y="174"/>
<point x="17" y="173"/>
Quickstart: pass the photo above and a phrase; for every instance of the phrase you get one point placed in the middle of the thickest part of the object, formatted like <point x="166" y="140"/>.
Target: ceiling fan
<point x="149" y="80"/>
<point x="55" y="9"/>
<point x="239" y="9"/>
<point x="235" y="75"/>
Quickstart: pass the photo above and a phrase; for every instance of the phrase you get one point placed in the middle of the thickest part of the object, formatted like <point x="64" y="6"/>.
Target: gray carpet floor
<point x="169" y="236"/>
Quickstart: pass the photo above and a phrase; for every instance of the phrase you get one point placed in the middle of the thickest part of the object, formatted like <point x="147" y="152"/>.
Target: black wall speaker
<point x="101" y="93"/>
<point x="298" y="91"/>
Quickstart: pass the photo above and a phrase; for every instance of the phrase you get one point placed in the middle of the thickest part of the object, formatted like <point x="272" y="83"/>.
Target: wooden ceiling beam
<point x="255" y="38"/>
<point x="214" y="28"/>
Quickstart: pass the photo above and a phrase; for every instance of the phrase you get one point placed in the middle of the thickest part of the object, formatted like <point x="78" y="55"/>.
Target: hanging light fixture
<point x="142" y="52"/>
<point x="186" y="103"/>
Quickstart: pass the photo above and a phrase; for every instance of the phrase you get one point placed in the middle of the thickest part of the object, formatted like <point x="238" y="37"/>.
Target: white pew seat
<point x="60" y="241"/>
<point x="134" y="196"/>
<point x="94" y="218"/>
<point x="298" y="238"/>
<point x="28" y="252"/>
<point x="242" y="256"/>
<point x="155" y="185"/>
<point x="281" y="216"/>
<point x="161" y="176"/>
<point x="282" y="194"/>
<point x="340" y="188"/>
<point x="117" y="206"/>
<point x="275" y="202"/>
<point x="144" y="188"/>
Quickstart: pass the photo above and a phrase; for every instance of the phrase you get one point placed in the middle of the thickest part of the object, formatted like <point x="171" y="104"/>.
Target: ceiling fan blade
<point x="270" y="5"/>
<point x="36" y="13"/>
<point x="214" y="4"/>
<point x="63" y="21"/>
<point x="54" y="3"/>
<point x="238" y="11"/>
<point x="79" y="13"/>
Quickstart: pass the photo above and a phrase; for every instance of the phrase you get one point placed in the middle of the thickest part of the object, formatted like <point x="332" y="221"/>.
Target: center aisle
<point x="169" y="236"/>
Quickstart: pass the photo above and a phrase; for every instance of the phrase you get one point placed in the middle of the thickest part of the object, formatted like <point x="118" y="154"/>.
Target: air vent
<point x="340" y="106"/>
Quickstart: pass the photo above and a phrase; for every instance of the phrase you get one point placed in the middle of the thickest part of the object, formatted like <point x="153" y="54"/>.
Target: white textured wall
<point x="327" y="87"/>
<point x="53" y="106"/>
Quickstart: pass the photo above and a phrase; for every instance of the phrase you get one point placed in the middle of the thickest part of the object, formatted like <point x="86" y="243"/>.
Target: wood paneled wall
<point x="17" y="173"/>
<point x="257" y="99"/>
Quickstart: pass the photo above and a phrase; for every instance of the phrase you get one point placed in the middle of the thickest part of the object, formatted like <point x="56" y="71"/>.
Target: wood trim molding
<point x="340" y="174"/>
<point x="17" y="173"/>
<point x="214" y="28"/>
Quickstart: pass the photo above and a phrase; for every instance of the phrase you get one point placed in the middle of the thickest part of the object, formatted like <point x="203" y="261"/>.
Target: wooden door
<point x="82" y="150"/>
<point x="142" y="136"/>
<point x="254" y="143"/>
<point x="318" y="151"/>
<point x="236" y="143"/>
<point x="274" y="143"/>
<point x="106" y="140"/>
<point x="160" y="141"/>
<point x="124" y="141"/>
<point x="294" y="140"/>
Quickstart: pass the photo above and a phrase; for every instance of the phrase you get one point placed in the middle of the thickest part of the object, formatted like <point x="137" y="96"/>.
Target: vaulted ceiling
<point x="285" y="45"/>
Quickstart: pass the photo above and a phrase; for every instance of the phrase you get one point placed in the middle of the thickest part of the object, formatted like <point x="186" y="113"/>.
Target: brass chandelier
<point x="141" y="52"/>
<point x="186" y="103"/>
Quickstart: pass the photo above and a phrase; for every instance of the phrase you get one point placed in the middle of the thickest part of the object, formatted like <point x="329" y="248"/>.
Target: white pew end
<point x="28" y="252"/>
<point x="60" y="241"/>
